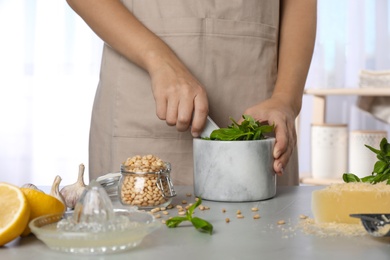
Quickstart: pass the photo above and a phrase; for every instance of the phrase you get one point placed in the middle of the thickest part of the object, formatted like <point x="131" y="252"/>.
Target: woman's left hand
<point x="276" y="111"/>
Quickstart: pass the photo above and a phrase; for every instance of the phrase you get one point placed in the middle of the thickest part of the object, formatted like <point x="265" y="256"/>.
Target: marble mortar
<point x="234" y="171"/>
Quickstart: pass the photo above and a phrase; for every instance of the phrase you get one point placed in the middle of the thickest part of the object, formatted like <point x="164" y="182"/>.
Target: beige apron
<point x="229" y="45"/>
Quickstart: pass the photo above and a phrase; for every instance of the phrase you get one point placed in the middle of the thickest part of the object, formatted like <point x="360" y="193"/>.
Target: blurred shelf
<point x="319" y="182"/>
<point x="383" y="91"/>
<point x="320" y="94"/>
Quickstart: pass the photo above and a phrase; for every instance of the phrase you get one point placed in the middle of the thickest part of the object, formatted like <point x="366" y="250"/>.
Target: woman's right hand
<point x="180" y="98"/>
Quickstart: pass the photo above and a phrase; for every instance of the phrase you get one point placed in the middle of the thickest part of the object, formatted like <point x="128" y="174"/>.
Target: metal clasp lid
<point x="163" y="177"/>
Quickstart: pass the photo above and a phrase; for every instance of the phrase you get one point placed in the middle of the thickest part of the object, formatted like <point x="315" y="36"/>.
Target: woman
<point x="168" y="64"/>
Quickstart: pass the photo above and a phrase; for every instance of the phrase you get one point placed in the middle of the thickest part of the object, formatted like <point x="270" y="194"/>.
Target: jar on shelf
<point x="146" y="187"/>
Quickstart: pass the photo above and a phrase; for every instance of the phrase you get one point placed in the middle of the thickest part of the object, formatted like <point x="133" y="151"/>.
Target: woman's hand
<point x="279" y="112"/>
<point x="181" y="99"/>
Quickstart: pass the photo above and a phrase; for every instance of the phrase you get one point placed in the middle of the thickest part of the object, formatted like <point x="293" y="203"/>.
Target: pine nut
<point x="155" y="210"/>
<point x="257" y="216"/>
<point x="302" y="216"/>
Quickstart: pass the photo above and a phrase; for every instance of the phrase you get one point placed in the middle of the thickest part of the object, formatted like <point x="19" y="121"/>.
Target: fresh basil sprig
<point x="249" y="129"/>
<point x="200" y="224"/>
<point x="381" y="171"/>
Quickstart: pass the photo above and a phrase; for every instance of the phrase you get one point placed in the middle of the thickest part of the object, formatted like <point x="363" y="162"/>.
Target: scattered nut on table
<point x="257" y="216"/>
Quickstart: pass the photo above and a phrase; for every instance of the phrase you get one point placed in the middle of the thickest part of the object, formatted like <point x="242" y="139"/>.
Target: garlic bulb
<point x="72" y="193"/>
<point x="31" y="186"/>
<point x="55" y="189"/>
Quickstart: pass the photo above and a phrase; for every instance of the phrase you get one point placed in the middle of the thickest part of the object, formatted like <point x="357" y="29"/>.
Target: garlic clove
<point x="31" y="186"/>
<point x="73" y="192"/>
<point x="55" y="189"/>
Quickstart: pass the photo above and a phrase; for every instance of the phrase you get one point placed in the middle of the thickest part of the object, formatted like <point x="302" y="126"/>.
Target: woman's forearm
<point x="180" y="98"/>
<point x="119" y="28"/>
<point x="297" y="36"/>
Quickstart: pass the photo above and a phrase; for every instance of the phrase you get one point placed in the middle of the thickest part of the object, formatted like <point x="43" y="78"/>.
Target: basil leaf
<point x="368" y="179"/>
<point x="234" y="123"/>
<point x="373" y="149"/>
<point x="384" y="145"/>
<point x="380" y="178"/>
<point x="350" y="177"/>
<point x="381" y="171"/>
<point x="267" y="128"/>
<point x="175" y="221"/>
<point x="380" y="157"/>
<point x="250" y="120"/>
<point x="202" y="225"/>
<point x="249" y="129"/>
<point x="380" y="167"/>
<point x="227" y="134"/>
<point x="258" y="135"/>
<point x="191" y="209"/>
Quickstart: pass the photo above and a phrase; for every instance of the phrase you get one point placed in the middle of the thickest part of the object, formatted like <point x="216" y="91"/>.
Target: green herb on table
<point x="381" y="171"/>
<point x="249" y="129"/>
<point x="200" y="224"/>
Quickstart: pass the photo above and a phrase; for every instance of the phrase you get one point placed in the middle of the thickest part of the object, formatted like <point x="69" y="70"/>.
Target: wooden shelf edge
<point x="320" y="182"/>
<point x="377" y="91"/>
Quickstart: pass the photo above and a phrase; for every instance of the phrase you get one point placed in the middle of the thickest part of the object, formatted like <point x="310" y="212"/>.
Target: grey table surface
<point x="245" y="238"/>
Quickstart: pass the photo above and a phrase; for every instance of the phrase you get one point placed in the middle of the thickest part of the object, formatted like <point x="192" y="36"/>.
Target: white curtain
<point x="49" y="67"/>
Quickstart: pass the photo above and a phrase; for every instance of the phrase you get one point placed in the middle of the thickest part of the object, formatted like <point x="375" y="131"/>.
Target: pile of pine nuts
<point x="147" y="163"/>
<point x="139" y="185"/>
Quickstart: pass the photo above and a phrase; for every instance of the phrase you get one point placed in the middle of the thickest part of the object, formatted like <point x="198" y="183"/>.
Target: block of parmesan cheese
<point x="335" y="202"/>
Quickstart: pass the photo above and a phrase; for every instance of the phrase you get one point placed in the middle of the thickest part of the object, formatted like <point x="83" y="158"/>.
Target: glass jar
<point x="110" y="183"/>
<point x="146" y="189"/>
